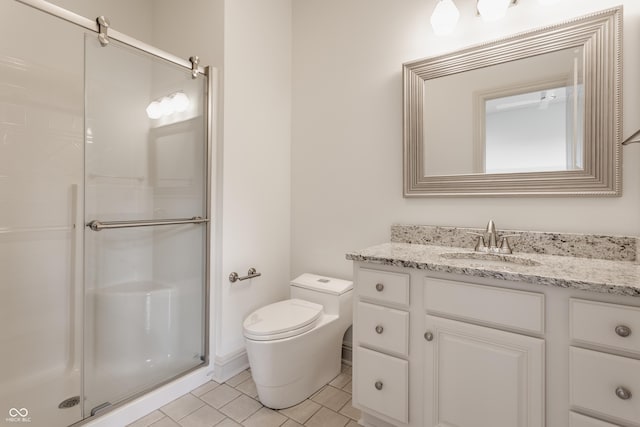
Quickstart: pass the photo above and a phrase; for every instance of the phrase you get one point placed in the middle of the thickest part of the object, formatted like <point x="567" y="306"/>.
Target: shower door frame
<point x="210" y="74"/>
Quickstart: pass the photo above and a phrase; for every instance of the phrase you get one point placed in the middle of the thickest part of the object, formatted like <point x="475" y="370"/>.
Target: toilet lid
<point x="282" y="319"/>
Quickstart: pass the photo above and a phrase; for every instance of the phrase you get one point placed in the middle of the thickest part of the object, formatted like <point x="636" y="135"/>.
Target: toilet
<point x="295" y="346"/>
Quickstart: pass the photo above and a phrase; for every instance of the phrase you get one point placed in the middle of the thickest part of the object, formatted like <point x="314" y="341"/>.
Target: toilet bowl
<point x="295" y="346"/>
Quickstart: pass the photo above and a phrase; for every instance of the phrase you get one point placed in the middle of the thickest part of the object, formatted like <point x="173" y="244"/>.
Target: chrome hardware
<point x="623" y="393"/>
<point x="379" y="287"/>
<point x="490" y="242"/>
<point x="623" y="331"/>
<point x="428" y="336"/>
<point x="491" y="231"/>
<point x="378" y="385"/>
<point x="103" y="28"/>
<point x="379" y="329"/>
<point x="233" y="277"/>
<point x="96" y="225"/>
<point x="194" y="66"/>
<point x="505" y="247"/>
<point x="480" y="244"/>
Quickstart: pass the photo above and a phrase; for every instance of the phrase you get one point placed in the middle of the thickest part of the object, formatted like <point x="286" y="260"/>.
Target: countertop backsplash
<point x="613" y="248"/>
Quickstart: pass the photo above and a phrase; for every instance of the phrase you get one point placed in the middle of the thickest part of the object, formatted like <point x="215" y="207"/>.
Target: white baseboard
<point x="229" y="365"/>
<point x="347" y="354"/>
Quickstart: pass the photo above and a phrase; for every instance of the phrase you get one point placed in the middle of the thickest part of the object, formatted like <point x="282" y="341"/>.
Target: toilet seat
<point x="282" y="319"/>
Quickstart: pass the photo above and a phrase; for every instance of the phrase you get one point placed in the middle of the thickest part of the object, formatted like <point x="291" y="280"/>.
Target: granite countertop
<point x="611" y="276"/>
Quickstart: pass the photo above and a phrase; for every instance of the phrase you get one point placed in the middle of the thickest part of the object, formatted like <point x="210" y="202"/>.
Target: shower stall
<point x="104" y="216"/>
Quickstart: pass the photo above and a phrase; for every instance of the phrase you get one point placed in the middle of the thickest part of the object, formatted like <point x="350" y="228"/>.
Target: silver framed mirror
<point x="534" y="114"/>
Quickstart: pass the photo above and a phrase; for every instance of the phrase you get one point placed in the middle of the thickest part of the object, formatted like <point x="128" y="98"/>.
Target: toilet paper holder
<point x="233" y="277"/>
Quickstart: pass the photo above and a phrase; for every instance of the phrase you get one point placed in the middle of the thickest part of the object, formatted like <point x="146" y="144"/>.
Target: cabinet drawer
<point x="383" y="328"/>
<point x="613" y="326"/>
<point x="384" y="286"/>
<point x="596" y="377"/>
<point x="507" y="308"/>
<point x="381" y="384"/>
<point x="578" y="420"/>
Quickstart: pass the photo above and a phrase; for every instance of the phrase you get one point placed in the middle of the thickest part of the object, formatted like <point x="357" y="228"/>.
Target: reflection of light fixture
<point x="180" y="102"/>
<point x="492" y="10"/>
<point x="175" y="103"/>
<point x="154" y="111"/>
<point x="445" y="17"/>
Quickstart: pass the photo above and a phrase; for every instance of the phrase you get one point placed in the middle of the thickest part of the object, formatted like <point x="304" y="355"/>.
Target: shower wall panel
<point x="41" y="188"/>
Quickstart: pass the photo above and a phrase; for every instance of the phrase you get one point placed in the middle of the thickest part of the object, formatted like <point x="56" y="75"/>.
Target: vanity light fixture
<point x="445" y="15"/>
<point x="493" y="10"/>
<point x="177" y="102"/>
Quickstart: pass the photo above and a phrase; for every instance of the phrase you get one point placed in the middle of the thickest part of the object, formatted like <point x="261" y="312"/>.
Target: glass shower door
<point x="145" y="166"/>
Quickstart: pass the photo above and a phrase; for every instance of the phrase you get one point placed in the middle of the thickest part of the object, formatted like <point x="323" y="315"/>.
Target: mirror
<point x="534" y="114"/>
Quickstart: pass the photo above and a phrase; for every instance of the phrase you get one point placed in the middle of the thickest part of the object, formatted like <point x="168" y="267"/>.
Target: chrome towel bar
<point x="96" y="225"/>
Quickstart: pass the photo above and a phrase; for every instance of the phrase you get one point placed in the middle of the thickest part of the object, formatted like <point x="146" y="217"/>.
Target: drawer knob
<point x="379" y="329"/>
<point x="378" y="385"/>
<point x="623" y="393"/>
<point x="623" y="331"/>
<point x="428" y="336"/>
<point x="379" y="287"/>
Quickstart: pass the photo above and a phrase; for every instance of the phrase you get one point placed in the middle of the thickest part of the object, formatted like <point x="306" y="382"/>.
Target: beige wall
<point x="256" y="162"/>
<point x="347" y="128"/>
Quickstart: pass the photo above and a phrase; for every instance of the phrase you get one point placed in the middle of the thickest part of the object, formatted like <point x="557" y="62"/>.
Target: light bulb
<point x="492" y="10"/>
<point x="444" y="17"/>
<point x="180" y="102"/>
<point x="154" y="111"/>
<point x="166" y="106"/>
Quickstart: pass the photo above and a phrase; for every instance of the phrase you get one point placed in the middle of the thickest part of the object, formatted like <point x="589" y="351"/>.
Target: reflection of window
<point x="530" y="128"/>
<point x="175" y="156"/>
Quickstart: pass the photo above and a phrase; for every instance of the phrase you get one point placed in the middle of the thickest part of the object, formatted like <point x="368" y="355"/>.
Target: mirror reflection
<point x="521" y="116"/>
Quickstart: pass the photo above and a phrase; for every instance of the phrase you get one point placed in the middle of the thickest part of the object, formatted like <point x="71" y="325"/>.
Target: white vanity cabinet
<point x="381" y="325"/>
<point x="479" y="376"/>
<point x="436" y="349"/>
<point x="604" y="365"/>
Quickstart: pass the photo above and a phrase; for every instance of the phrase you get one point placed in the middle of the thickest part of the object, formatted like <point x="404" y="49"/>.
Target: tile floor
<point x="235" y="403"/>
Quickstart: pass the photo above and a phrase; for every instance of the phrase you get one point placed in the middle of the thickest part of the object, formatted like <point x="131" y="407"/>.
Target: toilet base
<point x="290" y="370"/>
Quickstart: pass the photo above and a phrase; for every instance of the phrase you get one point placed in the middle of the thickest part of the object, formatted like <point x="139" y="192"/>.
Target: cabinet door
<point x="482" y="377"/>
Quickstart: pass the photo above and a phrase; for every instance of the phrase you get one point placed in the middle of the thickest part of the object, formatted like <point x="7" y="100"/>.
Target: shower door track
<point x="87" y="23"/>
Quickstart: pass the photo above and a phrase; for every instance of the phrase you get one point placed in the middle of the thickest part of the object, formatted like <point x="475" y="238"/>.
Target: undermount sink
<point x="491" y="259"/>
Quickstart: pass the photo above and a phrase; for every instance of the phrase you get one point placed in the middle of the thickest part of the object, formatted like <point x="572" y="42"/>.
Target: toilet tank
<point x="333" y="294"/>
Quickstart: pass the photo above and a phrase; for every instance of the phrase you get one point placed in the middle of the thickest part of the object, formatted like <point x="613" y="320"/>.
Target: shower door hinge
<point x="194" y="66"/>
<point x="103" y="27"/>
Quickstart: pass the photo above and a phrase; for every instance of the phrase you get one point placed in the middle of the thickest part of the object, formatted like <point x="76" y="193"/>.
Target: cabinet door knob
<point x="428" y="336"/>
<point x="623" y="393"/>
<point x="623" y="331"/>
<point x="379" y="329"/>
<point x="379" y="287"/>
<point x="378" y="385"/>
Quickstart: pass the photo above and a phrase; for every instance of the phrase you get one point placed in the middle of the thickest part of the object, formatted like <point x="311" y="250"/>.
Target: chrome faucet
<point x="490" y="242"/>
